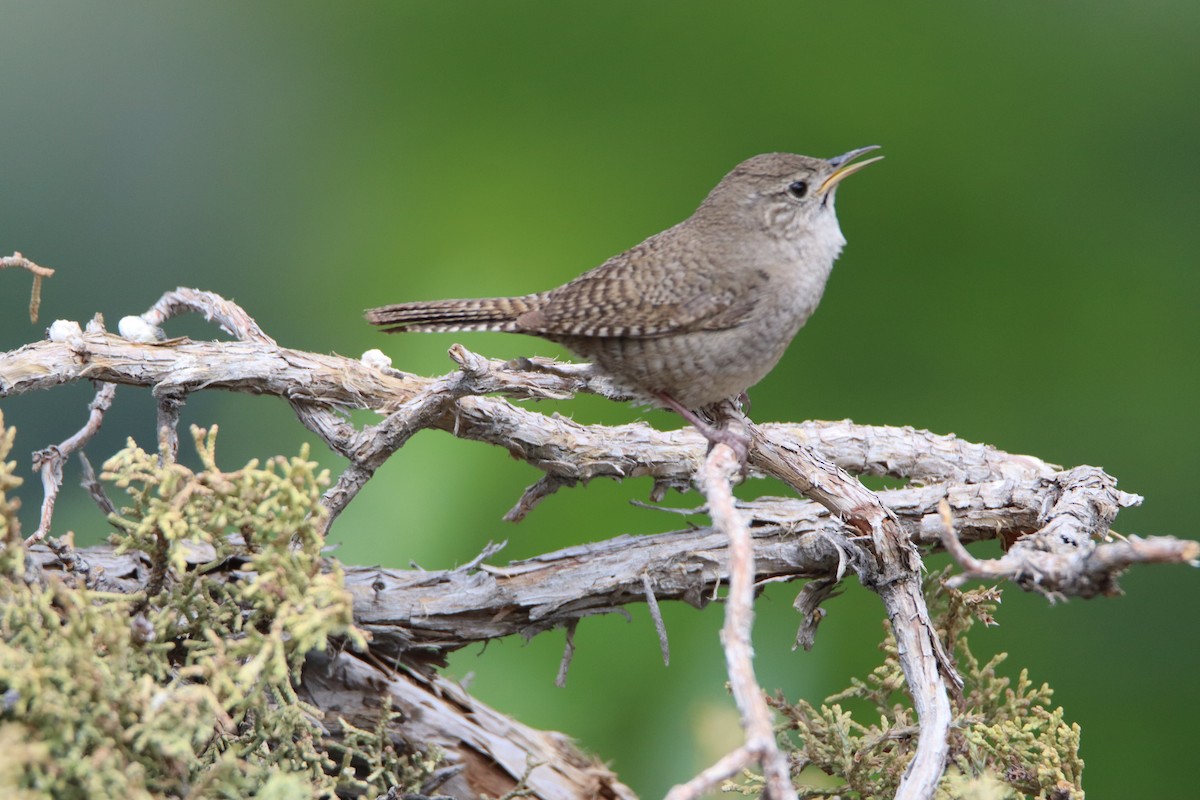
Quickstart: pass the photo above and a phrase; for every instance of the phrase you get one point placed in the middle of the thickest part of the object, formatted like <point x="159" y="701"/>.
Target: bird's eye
<point x="798" y="189"/>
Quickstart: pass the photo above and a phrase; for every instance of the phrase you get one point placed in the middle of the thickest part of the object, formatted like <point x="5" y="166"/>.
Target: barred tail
<point x="444" y="316"/>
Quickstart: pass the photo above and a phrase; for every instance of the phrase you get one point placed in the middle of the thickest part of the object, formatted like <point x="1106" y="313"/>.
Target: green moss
<point x="185" y="689"/>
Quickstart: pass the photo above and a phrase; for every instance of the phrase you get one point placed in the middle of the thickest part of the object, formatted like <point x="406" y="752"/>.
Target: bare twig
<point x="318" y="384"/>
<point x="560" y="680"/>
<point x="369" y="448"/>
<point x="808" y="603"/>
<point x="557" y="446"/>
<point x="489" y="550"/>
<point x="892" y="568"/>
<point x="660" y="626"/>
<point x="169" y="404"/>
<point x="720" y="468"/>
<point x="231" y="317"/>
<point x="50" y="460"/>
<point x="21" y="262"/>
<point x="70" y="558"/>
<point x="93" y="486"/>
<point x="1058" y="564"/>
<point x="539" y="491"/>
<point x="995" y="490"/>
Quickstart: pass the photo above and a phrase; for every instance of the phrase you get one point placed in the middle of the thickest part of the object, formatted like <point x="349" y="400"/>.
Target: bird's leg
<point x="737" y="437"/>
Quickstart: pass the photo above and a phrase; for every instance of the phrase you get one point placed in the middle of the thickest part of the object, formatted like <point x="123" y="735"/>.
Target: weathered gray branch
<point x="49" y="461"/>
<point x="491" y="751"/>
<point x="715" y="479"/>
<point x="1055" y="517"/>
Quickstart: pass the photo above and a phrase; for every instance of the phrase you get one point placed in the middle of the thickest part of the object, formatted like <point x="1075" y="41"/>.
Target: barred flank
<point x="444" y="316"/>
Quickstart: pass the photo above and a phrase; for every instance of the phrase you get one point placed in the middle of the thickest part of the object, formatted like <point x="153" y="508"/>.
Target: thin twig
<point x="1059" y="566"/>
<point x="369" y="448"/>
<point x="50" y="460"/>
<point x="556" y="445"/>
<point x="93" y="487"/>
<point x="231" y="317"/>
<point x="533" y="495"/>
<point x="21" y="262"/>
<point x="660" y="626"/>
<point x="891" y="567"/>
<point x="560" y="680"/>
<point x="808" y="603"/>
<point x="489" y="550"/>
<point x="170" y="403"/>
<point x="715" y="479"/>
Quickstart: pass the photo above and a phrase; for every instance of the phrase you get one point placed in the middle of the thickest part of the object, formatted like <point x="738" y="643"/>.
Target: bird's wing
<point x="640" y="293"/>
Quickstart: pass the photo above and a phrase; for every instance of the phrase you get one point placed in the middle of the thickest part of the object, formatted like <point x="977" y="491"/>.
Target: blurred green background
<point x="1021" y="271"/>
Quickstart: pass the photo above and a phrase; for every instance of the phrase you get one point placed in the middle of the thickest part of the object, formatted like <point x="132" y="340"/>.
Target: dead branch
<point x="491" y="751"/>
<point x="421" y="615"/>
<point x="563" y="449"/>
<point x="1059" y="565"/>
<point x="39" y="273"/>
<point x="49" y="461"/>
<point x="416" y="617"/>
<point x="720" y="469"/>
<point x="890" y="566"/>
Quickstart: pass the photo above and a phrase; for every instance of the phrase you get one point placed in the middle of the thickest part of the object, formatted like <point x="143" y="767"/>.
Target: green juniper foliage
<point x="186" y="688"/>
<point x="9" y="480"/>
<point x="1006" y="742"/>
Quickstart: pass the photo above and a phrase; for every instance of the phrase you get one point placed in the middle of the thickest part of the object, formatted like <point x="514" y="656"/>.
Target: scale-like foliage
<point x="1007" y="743"/>
<point x="185" y="689"/>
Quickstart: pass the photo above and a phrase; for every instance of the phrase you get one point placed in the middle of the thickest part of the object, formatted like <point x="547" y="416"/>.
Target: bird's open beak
<point x="845" y="169"/>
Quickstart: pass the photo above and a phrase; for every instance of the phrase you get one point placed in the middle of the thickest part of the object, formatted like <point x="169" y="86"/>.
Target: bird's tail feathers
<point x="444" y="316"/>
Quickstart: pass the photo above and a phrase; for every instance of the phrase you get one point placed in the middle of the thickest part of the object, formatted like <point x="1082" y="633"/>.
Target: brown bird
<point x="696" y="314"/>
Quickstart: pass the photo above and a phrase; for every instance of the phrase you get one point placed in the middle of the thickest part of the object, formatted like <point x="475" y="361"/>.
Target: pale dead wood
<point x="720" y="469"/>
<point x="1059" y="565"/>
<point x="424" y="614"/>
<point x="18" y="261"/>
<point x="416" y="617"/>
<point x="492" y="752"/>
<point x="49" y="461"/>
<point x="891" y="566"/>
<point x="563" y="449"/>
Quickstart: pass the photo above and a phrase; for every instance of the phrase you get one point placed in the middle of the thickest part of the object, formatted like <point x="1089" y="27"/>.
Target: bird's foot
<point x="737" y="440"/>
<point x="733" y="433"/>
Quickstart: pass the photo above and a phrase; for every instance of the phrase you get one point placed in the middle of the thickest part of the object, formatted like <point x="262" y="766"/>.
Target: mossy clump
<point x="1006" y="743"/>
<point x="186" y="688"/>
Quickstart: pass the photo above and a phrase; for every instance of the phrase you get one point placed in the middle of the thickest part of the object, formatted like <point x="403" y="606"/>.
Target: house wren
<point x="698" y="313"/>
